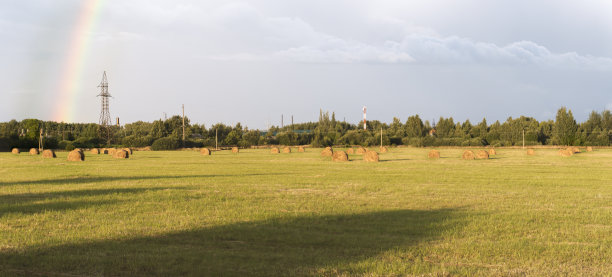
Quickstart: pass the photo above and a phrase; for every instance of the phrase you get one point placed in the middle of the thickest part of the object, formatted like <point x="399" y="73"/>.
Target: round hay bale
<point x="492" y="152"/>
<point x="468" y="155"/>
<point x="287" y="150"/>
<point x="433" y="154"/>
<point x="48" y="154"/>
<point x="482" y="154"/>
<point x="121" y="154"/>
<point x="76" y="156"/>
<point x="15" y="151"/>
<point x="327" y="152"/>
<point x="147" y="148"/>
<point x="384" y="149"/>
<point x="589" y="149"/>
<point x="129" y="150"/>
<point x="339" y="156"/>
<point x="350" y="151"/>
<point x="301" y="149"/>
<point x="111" y="151"/>
<point x="530" y="152"/>
<point x="235" y="150"/>
<point x="370" y="156"/>
<point x="576" y="149"/>
<point x="566" y="152"/>
<point x="360" y="150"/>
<point x="274" y="150"/>
<point x="205" y="151"/>
<point x="95" y="151"/>
<point x="34" y="151"/>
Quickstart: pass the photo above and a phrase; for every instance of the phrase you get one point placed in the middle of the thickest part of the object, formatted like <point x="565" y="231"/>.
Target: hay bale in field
<point x="235" y="150"/>
<point x="576" y="149"/>
<point x="468" y="155"/>
<point x="76" y="156"/>
<point x="15" y="151"/>
<point x="301" y="149"/>
<point x="384" y="149"/>
<point x="274" y="150"/>
<point x="482" y="154"/>
<point x="129" y="150"/>
<point x="95" y="151"/>
<point x="339" y="156"/>
<point x="370" y="156"/>
<point x="327" y="152"/>
<point x="566" y="152"/>
<point x="530" y="152"/>
<point x="110" y="151"/>
<point x="287" y="149"/>
<point x="589" y="149"/>
<point x="433" y="154"/>
<point x="48" y="154"/>
<point x="121" y="154"/>
<point x="350" y="151"/>
<point x="147" y="148"/>
<point x="205" y="151"/>
<point x="34" y="151"/>
<point x="492" y="152"/>
<point x="360" y="150"/>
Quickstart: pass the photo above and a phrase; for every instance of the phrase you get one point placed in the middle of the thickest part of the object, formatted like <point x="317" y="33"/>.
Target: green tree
<point x="565" y="127"/>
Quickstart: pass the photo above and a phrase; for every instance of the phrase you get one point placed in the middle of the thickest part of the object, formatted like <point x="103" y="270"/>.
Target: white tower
<point x="364" y="118"/>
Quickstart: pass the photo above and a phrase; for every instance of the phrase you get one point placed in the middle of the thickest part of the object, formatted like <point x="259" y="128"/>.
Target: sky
<point x="253" y="61"/>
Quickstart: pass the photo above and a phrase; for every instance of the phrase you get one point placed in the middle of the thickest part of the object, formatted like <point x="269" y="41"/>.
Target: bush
<point x="137" y="141"/>
<point x="166" y="143"/>
<point x="66" y="145"/>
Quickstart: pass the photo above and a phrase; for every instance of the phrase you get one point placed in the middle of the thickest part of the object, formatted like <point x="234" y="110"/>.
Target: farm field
<point x="257" y="213"/>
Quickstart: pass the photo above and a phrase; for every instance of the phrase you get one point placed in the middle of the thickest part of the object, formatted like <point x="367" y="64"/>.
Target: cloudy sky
<point x="250" y="62"/>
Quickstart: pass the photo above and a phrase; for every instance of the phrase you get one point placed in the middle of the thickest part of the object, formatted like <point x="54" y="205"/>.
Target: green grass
<point x="255" y="213"/>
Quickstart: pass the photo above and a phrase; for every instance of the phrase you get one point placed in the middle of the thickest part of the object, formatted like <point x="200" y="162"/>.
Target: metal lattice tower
<point x="105" y="120"/>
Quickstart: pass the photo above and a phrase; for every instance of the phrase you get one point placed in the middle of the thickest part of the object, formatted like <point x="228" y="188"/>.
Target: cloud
<point x="292" y="39"/>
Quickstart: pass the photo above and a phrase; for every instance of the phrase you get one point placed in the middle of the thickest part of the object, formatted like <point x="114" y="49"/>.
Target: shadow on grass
<point x="31" y="197"/>
<point x="62" y="200"/>
<point x="314" y="245"/>
<point x="95" y="179"/>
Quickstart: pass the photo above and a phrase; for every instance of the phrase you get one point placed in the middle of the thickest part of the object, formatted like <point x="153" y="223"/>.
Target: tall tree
<point x="565" y="127"/>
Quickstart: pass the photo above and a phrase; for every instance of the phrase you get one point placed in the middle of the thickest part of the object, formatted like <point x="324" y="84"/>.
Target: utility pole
<point x="40" y="140"/>
<point x="217" y="139"/>
<point x="183" y="125"/>
<point x="381" y="137"/>
<point x="291" y="122"/>
<point x="282" y="125"/>
<point x="523" y="138"/>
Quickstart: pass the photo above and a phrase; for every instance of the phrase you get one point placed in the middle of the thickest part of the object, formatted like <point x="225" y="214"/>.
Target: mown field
<point x="256" y="213"/>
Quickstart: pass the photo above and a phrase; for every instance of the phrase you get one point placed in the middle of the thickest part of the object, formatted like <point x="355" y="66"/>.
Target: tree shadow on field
<point x="62" y="200"/>
<point x="313" y="245"/>
<point x="95" y="179"/>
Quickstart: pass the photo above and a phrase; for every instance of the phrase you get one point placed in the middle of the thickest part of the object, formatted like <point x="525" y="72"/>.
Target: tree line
<point x="327" y="131"/>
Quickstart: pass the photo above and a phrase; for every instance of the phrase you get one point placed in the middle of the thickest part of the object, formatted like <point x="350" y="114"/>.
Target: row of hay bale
<point x="467" y="154"/>
<point x="342" y="156"/>
<point x="78" y="154"/>
<point x="484" y="154"/>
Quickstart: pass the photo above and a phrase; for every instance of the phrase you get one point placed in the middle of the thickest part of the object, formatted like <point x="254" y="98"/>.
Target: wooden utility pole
<point x="282" y="125"/>
<point x="217" y="139"/>
<point x="40" y="140"/>
<point x="381" y="137"/>
<point x="291" y="122"/>
<point x="523" y="138"/>
<point x="183" y="125"/>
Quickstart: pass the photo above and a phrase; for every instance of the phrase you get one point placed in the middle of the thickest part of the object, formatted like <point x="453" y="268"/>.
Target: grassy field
<point x="256" y="213"/>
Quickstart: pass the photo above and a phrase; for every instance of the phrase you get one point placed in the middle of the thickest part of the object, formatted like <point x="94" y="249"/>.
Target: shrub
<point x="165" y="143"/>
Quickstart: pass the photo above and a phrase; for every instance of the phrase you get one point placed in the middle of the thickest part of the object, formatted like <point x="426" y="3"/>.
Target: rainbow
<point x="77" y="53"/>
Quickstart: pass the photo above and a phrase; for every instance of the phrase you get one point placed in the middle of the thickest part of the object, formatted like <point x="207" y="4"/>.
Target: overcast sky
<point x="250" y="62"/>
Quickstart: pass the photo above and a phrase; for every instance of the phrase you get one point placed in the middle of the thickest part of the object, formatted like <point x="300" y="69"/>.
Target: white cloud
<point x="390" y="41"/>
